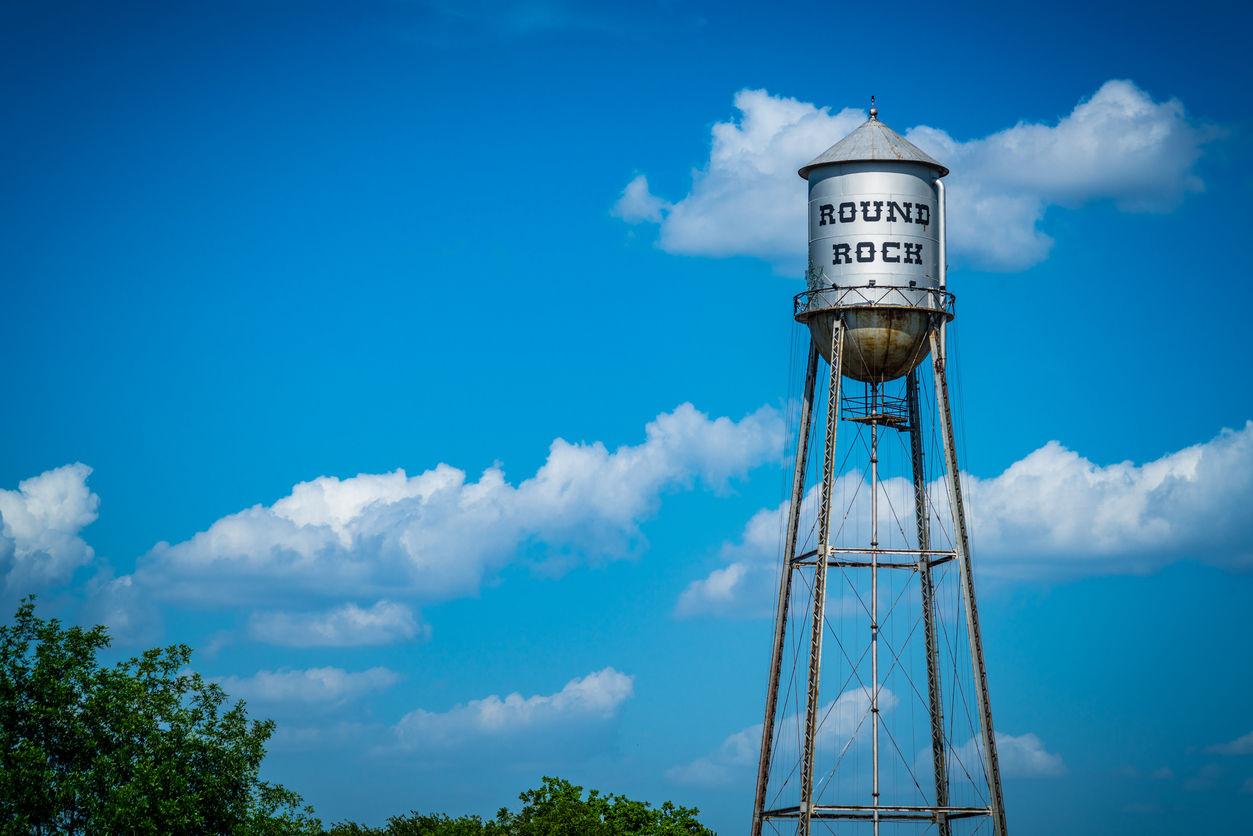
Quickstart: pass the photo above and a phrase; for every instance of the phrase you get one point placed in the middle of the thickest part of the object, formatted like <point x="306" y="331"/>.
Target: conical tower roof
<point x="871" y="142"/>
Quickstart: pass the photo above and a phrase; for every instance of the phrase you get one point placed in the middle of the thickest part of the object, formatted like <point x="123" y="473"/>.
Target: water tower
<point x="900" y="731"/>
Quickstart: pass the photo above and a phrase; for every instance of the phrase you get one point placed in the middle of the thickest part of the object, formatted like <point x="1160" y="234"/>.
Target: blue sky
<point x="245" y="246"/>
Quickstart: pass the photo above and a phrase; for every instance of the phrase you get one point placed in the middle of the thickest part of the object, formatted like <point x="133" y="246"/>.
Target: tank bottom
<point x="880" y="344"/>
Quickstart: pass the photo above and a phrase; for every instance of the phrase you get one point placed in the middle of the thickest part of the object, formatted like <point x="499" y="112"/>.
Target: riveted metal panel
<point x="874" y="244"/>
<point x="873" y="222"/>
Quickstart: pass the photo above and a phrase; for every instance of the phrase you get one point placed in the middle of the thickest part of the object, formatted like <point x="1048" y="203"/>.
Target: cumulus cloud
<point x="1020" y="757"/>
<point x="747" y="586"/>
<point x="736" y="759"/>
<point x="747" y="200"/>
<point x="436" y="536"/>
<point x="1025" y="757"/>
<point x="574" y="722"/>
<point x="121" y="605"/>
<point x="40" y="523"/>
<point x="724" y="765"/>
<point x="742" y="588"/>
<point x="1239" y="746"/>
<point x="638" y="204"/>
<point x="1054" y="515"/>
<point x="346" y="626"/>
<point x="328" y="687"/>
<point x="1118" y="145"/>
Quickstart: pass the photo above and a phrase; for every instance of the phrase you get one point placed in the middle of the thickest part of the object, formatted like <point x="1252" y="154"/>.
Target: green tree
<point x="557" y="808"/>
<point x="143" y="747"/>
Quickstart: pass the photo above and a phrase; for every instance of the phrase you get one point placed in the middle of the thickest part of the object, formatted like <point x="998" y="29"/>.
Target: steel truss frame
<point x="925" y="559"/>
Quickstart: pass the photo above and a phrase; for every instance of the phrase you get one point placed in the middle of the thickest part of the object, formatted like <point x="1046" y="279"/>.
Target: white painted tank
<point x="874" y="250"/>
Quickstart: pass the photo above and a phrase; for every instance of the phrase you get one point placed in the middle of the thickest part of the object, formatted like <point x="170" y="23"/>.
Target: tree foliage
<point x="557" y="808"/>
<point x="146" y="747"/>
<point x="140" y="748"/>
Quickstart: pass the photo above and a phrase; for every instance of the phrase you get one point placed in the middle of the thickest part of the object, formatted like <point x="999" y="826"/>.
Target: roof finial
<point x="874" y="112"/>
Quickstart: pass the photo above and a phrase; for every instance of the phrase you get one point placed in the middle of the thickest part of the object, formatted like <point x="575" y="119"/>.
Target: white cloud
<point x="436" y="536"/>
<point x="346" y="626"/>
<point x="746" y="586"/>
<point x="573" y="722"/>
<point x="736" y="759"/>
<point x="316" y="686"/>
<point x="1024" y="757"/>
<point x="748" y="200"/>
<point x="39" y="527"/>
<point x="1020" y="757"/>
<point x="121" y="605"/>
<point x="724" y="765"/>
<point x="1239" y="746"/>
<point x="1118" y="145"/>
<point x="638" y="204"/>
<point x="1054" y="515"/>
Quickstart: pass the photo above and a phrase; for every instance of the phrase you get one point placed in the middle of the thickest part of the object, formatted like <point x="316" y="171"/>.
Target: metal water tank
<point x="875" y="206"/>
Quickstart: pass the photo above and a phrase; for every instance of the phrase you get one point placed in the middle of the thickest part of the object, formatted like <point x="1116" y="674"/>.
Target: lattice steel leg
<point x="820" y="578"/>
<point x="962" y="546"/>
<point x="921" y="517"/>
<point x="785" y="587"/>
<point x="874" y="604"/>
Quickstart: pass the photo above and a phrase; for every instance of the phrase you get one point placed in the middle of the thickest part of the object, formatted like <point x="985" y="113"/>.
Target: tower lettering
<point x="894" y="207"/>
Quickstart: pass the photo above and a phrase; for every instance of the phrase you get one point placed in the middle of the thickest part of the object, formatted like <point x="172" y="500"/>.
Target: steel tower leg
<point x="921" y="514"/>
<point x="874" y="603"/>
<point x="961" y="546"/>
<point x="820" y="576"/>
<point x="785" y="587"/>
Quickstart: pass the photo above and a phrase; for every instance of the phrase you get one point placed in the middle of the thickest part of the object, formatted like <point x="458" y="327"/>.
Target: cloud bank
<point x="747" y="200"/>
<point x="436" y="536"/>
<point x="303" y="565"/>
<point x="345" y="562"/>
<point x="1052" y="516"/>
